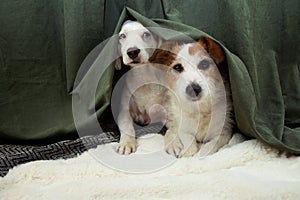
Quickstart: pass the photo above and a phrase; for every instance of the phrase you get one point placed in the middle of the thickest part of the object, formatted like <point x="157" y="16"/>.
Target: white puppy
<point x="136" y="44"/>
<point x="139" y="101"/>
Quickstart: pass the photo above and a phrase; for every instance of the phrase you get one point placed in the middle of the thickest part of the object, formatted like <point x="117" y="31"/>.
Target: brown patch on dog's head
<point x="164" y="57"/>
<point x="166" y="53"/>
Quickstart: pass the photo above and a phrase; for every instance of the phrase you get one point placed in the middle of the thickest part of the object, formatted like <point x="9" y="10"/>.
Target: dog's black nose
<point x="133" y="52"/>
<point x="193" y="90"/>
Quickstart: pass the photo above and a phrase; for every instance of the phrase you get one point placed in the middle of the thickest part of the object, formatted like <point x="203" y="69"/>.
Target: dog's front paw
<point x="190" y="151"/>
<point x="173" y="146"/>
<point x="126" y="145"/>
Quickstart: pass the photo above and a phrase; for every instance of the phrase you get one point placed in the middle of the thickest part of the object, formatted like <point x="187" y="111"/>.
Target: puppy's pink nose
<point x="133" y="52"/>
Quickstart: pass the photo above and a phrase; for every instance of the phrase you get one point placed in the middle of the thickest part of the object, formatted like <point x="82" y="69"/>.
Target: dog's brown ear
<point x="214" y="49"/>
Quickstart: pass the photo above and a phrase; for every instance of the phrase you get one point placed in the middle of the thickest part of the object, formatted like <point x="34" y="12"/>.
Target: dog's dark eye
<point x="204" y="64"/>
<point x="146" y="35"/>
<point x="122" y="36"/>
<point x="178" y="67"/>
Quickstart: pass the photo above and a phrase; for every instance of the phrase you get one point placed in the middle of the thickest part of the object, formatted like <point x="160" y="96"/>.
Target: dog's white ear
<point x="214" y="49"/>
<point x="118" y="63"/>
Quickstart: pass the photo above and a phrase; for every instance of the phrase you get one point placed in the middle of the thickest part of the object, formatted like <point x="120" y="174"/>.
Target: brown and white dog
<point x="139" y="97"/>
<point x="197" y="102"/>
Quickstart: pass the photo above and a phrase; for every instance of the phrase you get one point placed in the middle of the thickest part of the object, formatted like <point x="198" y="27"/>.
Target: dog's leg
<point x="217" y="135"/>
<point x="173" y="144"/>
<point x="190" y="145"/>
<point x="127" y="142"/>
<point x="213" y="145"/>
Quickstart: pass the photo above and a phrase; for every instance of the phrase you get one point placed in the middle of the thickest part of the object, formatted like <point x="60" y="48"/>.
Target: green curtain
<point x="43" y="43"/>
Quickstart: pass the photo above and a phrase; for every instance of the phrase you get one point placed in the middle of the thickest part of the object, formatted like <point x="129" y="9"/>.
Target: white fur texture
<point x="247" y="170"/>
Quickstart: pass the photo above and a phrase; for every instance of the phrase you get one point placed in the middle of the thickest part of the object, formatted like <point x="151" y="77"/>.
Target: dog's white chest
<point x="195" y="119"/>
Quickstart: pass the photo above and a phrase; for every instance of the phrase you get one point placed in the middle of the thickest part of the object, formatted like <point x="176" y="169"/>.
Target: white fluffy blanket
<point x="242" y="170"/>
